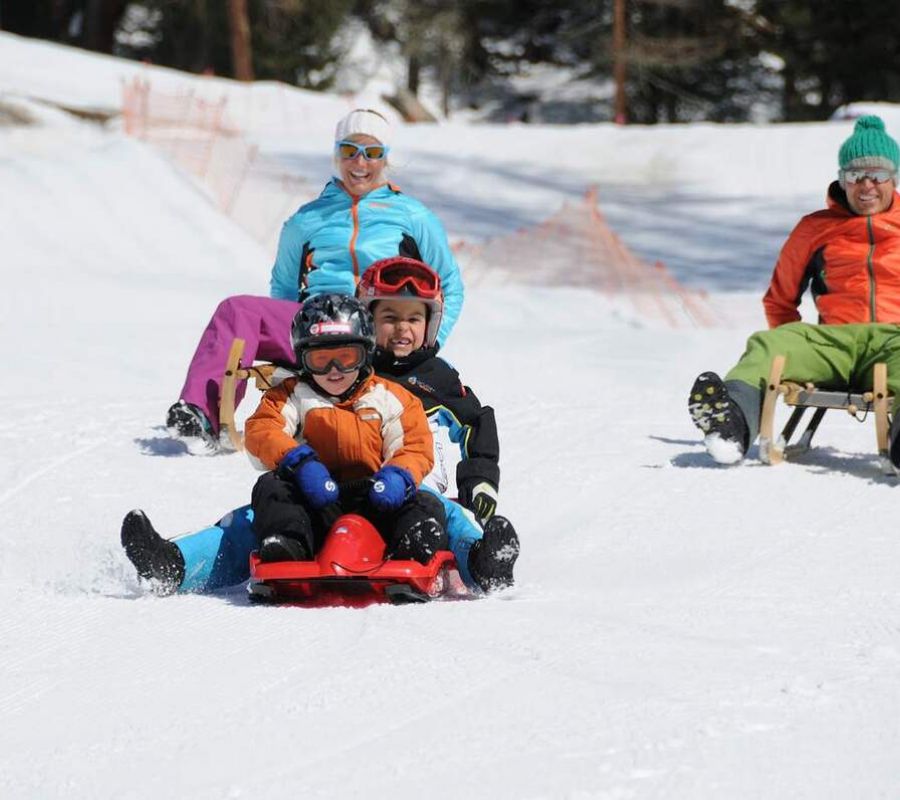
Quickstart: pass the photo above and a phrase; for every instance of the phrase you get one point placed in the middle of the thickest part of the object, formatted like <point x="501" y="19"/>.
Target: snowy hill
<point x="678" y="630"/>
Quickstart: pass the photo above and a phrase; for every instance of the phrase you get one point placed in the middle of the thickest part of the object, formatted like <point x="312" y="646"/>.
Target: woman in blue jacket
<point x="324" y="248"/>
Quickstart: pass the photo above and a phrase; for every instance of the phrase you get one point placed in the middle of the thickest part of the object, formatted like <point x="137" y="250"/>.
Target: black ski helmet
<point x="332" y="319"/>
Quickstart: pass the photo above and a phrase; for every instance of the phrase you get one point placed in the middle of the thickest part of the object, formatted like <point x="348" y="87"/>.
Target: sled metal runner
<point x="806" y="396"/>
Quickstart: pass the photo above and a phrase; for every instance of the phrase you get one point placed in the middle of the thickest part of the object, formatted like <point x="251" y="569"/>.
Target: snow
<point x="679" y="629"/>
<point x="724" y="451"/>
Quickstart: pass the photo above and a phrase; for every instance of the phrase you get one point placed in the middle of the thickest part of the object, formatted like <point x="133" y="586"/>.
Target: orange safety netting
<point x="195" y="133"/>
<point x="575" y="247"/>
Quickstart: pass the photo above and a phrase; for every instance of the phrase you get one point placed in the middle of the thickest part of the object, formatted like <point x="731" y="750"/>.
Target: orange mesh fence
<point x="575" y="247"/>
<point x="195" y="133"/>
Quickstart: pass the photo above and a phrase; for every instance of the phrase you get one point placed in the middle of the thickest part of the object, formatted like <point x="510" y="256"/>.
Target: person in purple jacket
<point x="324" y="247"/>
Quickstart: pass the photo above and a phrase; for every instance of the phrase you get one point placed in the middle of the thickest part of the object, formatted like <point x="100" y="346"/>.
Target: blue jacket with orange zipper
<point x="328" y="243"/>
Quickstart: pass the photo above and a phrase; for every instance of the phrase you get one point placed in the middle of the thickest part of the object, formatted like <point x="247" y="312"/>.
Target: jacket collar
<point x="384" y="190"/>
<point x="358" y="387"/>
<point x="386" y="363"/>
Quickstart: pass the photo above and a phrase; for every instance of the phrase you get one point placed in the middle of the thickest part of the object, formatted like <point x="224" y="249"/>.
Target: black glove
<point x="480" y="498"/>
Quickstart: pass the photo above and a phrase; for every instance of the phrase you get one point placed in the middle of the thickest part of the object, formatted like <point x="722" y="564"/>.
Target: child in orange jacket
<point x="336" y="439"/>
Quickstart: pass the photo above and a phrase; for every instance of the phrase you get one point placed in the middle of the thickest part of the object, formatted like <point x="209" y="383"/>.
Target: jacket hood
<point x="836" y="199"/>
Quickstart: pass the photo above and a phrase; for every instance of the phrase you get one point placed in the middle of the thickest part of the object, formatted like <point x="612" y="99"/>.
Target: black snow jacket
<point x="453" y="406"/>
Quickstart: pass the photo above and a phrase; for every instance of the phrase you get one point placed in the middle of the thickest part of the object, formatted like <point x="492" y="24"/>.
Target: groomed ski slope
<point x="679" y="630"/>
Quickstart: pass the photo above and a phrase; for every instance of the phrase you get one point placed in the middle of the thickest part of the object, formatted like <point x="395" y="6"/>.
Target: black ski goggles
<point x="344" y="358"/>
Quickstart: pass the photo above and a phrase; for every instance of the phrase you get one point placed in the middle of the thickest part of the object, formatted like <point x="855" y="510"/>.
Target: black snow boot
<point x="156" y="559"/>
<point x="281" y="547"/>
<point x="187" y="422"/>
<point x="420" y="541"/>
<point x="720" y="418"/>
<point x="493" y="557"/>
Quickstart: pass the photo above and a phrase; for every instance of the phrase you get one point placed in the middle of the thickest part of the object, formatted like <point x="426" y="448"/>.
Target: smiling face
<point x="400" y="325"/>
<point x="358" y="174"/>
<point x="867" y="197"/>
<point x="335" y="382"/>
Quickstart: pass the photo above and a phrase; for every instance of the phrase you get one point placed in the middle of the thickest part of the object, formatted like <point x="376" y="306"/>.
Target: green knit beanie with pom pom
<point x="869" y="146"/>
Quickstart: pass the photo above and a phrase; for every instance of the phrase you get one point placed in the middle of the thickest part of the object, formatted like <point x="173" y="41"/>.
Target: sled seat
<point x="807" y="396"/>
<point x="234" y="372"/>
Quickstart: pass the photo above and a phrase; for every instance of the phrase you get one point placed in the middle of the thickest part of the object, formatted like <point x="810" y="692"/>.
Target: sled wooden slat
<point x="769" y="450"/>
<point x="234" y="372"/>
<point x="803" y="396"/>
<point x="882" y="409"/>
<point x="227" y="401"/>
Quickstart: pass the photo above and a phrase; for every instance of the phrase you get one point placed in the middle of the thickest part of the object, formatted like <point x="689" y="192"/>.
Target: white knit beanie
<point x="364" y="121"/>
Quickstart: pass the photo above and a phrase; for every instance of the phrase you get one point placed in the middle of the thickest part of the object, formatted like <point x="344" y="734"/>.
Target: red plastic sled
<point x="351" y="570"/>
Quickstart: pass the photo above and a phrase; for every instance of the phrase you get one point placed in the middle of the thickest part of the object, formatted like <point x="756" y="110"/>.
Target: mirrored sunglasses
<point x="874" y="174"/>
<point x="346" y="358"/>
<point x="371" y="152"/>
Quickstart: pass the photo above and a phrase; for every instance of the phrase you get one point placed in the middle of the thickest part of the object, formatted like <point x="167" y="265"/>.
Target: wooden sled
<point x="234" y="372"/>
<point x="807" y="396"/>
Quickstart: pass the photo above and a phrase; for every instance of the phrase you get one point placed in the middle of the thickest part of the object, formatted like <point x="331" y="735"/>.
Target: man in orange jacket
<point x="848" y="255"/>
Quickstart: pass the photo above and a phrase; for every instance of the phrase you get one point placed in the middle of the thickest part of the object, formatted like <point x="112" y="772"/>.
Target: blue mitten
<point x="391" y="488"/>
<point x="311" y="475"/>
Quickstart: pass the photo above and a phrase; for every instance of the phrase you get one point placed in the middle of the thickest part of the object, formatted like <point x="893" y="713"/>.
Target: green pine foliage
<point x="723" y="60"/>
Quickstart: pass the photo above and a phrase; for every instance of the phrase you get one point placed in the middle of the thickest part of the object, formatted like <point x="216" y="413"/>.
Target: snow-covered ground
<point x="679" y="630"/>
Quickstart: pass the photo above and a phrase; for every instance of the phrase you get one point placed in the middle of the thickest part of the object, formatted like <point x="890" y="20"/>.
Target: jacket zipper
<point x="871" y="267"/>
<point x="354" y="211"/>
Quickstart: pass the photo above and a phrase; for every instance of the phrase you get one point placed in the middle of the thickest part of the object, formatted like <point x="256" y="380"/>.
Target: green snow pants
<point x="830" y="356"/>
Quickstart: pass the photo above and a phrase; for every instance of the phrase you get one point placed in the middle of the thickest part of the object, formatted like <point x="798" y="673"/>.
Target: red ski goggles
<point x="371" y="152"/>
<point x="394" y="278"/>
<point x="345" y="357"/>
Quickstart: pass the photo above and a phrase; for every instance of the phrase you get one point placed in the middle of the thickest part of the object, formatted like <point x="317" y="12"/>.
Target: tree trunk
<point x="413" y="69"/>
<point x="241" y="49"/>
<point x="101" y="18"/>
<point x="620" y="110"/>
<point x="789" y="94"/>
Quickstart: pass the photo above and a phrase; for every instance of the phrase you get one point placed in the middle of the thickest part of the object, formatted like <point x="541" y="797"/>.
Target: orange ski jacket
<point x="850" y="262"/>
<point x="380" y="423"/>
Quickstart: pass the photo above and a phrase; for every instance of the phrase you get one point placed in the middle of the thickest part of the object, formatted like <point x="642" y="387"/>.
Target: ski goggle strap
<point x="345" y="357"/>
<point x="371" y="152"/>
<point x="394" y="278"/>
